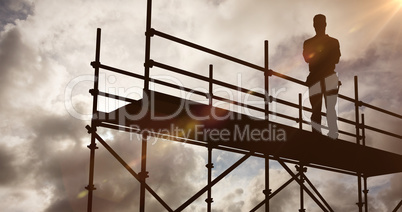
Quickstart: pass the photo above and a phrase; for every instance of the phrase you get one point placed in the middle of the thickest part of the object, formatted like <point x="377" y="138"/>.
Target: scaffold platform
<point x="280" y="141"/>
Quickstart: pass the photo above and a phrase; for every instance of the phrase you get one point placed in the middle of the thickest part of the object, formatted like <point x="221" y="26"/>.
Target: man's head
<point x="319" y="23"/>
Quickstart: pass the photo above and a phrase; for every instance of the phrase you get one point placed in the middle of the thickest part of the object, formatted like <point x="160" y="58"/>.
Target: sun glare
<point x="399" y="3"/>
<point x="378" y="17"/>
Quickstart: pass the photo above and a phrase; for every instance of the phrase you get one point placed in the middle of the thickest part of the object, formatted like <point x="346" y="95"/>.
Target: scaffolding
<point x="318" y="151"/>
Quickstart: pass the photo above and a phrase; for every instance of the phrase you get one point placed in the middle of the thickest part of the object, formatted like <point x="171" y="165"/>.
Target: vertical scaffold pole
<point x="357" y="124"/>
<point x="143" y="174"/>
<point x="267" y="73"/>
<point x="301" y="169"/>
<point x="267" y="191"/>
<point x="300" y="112"/>
<point x="148" y="36"/>
<point x="359" y="176"/>
<point x="365" y="191"/>
<point x="93" y="146"/>
<point x="363" y="131"/>
<point x="210" y="165"/>
<point x="211" y="75"/>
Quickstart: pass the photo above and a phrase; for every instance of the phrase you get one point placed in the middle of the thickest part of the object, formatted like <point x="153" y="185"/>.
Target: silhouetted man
<point x="322" y="52"/>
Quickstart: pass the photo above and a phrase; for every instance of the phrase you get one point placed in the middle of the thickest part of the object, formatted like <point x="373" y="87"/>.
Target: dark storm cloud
<point x="172" y="167"/>
<point x="287" y="57"/>
<point x="52" y="166"/>
<point x="11" y="10"/>
<point x="36" y="163"/>
<point x="40" y="165"/>
<point x="378" y="68"/>
<point x="10" y="50"/>
<point x="379" y="85"/>
<point x="8" y="172"/>
<point x="21" y="72"/>
<point x="64" y="170"/>
<point x="60" y="205"/>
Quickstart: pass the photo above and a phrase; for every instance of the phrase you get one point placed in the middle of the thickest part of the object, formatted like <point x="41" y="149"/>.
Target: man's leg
<point x="331" y="99"/>
<point x="316" y="104"/>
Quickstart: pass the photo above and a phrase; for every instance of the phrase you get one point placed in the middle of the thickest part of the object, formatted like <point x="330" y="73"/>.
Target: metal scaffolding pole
<point x="143" y="174"/>
<point x="210" y="166"/>
<point x="267" y="190"/>
<point x="300" y="112"/>
<point x="301" y="169"/>
<point x="148" y="36"/>
<point x="267" y="74"/>
<point x="92" y="146"/>
<point x="365" y="191"/>
<point x="359" y="175"/>
<point x="91" y="186"/>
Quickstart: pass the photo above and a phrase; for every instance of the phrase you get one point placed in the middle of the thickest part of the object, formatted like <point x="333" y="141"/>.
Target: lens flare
<point x="82" y="194"/>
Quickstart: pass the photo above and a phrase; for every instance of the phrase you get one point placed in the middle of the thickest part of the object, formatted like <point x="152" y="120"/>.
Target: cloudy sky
<point x="45" y="50"/>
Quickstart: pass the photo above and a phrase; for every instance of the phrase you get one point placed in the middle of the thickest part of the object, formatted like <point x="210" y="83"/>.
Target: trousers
<point x="327" y="88"/>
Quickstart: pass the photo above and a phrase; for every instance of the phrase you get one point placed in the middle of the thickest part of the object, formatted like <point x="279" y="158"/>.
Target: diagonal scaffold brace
<point x="128" y="168"/>
<point x="216" y="180"/>
<point x="325" y="207"/>
<point x="274" y="193"/>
